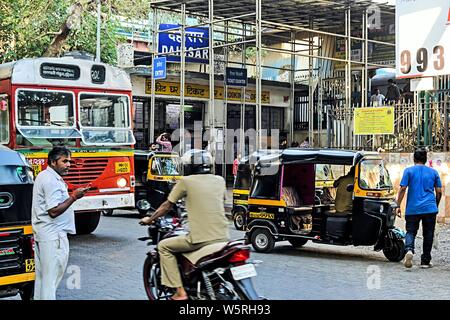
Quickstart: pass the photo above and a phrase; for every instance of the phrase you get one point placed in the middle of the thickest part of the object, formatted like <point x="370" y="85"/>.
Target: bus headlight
<point x="121" y="182"/>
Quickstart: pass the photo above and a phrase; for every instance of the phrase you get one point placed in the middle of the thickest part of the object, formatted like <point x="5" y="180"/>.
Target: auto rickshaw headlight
<point x="121" y="182"/>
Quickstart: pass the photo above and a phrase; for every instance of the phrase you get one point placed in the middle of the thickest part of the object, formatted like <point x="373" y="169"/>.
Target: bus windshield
<point x="46" y="114"/>
<point x="105" y="119"/>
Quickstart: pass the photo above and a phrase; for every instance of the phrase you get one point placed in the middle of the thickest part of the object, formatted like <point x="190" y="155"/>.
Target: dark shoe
<point x="426" y="265"/>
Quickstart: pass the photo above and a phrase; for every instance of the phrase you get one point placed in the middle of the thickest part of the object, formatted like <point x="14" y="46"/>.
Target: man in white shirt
<point x="52" y="219"/>
<point x="377" y="99"/>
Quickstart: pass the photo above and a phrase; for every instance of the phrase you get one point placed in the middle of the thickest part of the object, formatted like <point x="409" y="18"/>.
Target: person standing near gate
<point x="393" y="92"/>
<point x="376" y="100"/>
<point x="424" y="194"/>
<point x="52" y="219"/>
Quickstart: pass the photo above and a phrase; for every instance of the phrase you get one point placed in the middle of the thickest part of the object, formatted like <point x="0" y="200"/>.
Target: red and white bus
<point x="83" y="105"/>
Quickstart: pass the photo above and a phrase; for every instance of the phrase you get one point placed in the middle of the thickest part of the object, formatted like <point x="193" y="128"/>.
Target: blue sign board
<point x="236" y="77"/>
<point x="196" y="38"/>
<point x="159" y="68"/>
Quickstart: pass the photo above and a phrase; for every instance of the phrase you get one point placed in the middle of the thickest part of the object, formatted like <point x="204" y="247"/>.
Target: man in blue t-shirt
<point x="421" y="205"/>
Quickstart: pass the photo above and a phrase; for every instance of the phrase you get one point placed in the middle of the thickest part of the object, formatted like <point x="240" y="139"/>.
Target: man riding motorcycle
<point x="204" y="195"/>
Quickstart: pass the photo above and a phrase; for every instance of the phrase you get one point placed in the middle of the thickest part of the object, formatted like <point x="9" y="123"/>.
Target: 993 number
<point x="422" y="60"/>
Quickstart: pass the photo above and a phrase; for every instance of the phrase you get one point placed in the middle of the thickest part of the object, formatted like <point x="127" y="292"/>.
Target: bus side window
<point x="4" y="119"/>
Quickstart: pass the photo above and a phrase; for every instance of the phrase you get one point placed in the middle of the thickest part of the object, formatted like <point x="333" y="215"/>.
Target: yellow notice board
<point x="374" y="120"/>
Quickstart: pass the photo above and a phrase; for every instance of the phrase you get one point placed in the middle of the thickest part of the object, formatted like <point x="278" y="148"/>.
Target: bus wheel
<point x="107" y="212"/>
<point x="262" y="240"/>
<point x="239" y="220"/>
<point x="86" y="222"/>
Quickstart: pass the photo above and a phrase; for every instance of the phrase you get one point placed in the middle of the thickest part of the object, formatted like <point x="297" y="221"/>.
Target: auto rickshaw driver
<point x="344" y="198"/>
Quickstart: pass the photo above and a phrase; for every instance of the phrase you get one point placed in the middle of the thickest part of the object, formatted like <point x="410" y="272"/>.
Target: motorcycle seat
<point x="195" y="256"/>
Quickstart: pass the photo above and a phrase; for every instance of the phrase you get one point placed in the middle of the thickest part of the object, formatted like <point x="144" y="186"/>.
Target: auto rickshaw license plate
<point x="243" y="272"/>
<point x="122" y="167"/>
<point x="29" y="265"/>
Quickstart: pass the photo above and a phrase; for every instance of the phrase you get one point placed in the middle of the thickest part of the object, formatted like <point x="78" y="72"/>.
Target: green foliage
<point x="27" y="27"/>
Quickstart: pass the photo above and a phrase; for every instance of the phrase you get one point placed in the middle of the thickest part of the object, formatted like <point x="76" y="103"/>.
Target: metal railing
<point x="424" y="123"/>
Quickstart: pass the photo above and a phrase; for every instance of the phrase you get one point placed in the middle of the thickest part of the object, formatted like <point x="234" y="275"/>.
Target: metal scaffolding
<point x="262" y="23"/>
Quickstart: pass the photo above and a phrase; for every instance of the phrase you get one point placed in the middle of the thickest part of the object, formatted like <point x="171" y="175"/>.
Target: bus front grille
<point x="85" y="170"/>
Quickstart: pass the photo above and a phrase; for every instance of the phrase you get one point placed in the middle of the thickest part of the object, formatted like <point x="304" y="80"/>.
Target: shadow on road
<point x="331" y="252"/>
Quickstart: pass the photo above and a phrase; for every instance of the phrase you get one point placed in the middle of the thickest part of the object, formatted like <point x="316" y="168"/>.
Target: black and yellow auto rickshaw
<point x="156" y="173"/>
<point x="16" y="235"/>
<point x="241" y="185"/>
<point x="283" y="203"/>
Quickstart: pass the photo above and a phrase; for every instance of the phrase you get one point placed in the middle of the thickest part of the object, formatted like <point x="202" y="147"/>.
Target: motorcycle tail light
<point x="240" y="256"/>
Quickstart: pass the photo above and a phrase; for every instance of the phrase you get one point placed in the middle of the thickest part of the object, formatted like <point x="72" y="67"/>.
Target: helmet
<point x="196" y="161"/>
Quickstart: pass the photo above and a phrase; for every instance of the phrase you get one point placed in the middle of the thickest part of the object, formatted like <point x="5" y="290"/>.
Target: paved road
<point x="108" y="265"/>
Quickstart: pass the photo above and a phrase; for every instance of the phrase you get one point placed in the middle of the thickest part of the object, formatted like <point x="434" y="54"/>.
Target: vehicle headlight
<point x="121" y="182"/>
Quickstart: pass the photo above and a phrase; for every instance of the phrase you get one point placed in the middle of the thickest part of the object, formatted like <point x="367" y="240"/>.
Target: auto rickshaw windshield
<point x="166" y="166"/>
<point x="326" y="172"/>
<point x="373" y="175"/>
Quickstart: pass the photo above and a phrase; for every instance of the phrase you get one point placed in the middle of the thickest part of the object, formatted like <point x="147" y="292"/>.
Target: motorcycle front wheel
<point x="152" y="281"/>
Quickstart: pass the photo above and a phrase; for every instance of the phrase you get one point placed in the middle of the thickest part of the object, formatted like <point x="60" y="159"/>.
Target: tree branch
<point x="72" y="21"/>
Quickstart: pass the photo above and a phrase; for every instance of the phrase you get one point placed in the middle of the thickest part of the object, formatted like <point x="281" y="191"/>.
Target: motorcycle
<point x="219" y="271"/>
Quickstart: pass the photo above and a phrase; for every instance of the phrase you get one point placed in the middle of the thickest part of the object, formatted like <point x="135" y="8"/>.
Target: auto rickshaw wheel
<point x="297" y="242"/>
<point x="396" y="252"/>
<point x="107" y="212"/>
<point x="239" y="220"/>
<point x="27" y="291"/>
<point x="262" y="240"/>
<point x="86" y="222"/>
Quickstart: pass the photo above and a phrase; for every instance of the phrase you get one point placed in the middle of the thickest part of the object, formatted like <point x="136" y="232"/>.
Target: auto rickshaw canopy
<point x="318" y="156"/>
<point x="9" y="157"/>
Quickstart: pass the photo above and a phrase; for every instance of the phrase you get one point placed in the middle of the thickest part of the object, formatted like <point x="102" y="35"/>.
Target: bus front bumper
<point x="104" y="202"/>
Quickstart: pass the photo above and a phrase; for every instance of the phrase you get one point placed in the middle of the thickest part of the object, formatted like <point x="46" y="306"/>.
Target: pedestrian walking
<point x="424" y="194"/>
<point x="164" y="141"/>
<point x="52" y="219"/>
<point x="236" y="165"/>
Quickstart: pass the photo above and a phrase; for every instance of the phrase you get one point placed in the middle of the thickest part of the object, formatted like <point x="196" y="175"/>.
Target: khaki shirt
<point x="204" y="195"/>
<point x="344" y="199"/>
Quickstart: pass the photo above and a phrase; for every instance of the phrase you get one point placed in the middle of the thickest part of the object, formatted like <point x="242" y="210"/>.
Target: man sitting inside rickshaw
<point x="344" y="198"/>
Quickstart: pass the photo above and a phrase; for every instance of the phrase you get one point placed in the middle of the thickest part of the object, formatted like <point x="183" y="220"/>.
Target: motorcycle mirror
<point x="350" y="187"/>
<point x="143" y="205"/>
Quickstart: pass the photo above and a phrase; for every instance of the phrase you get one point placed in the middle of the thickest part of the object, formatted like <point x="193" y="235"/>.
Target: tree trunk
<point x="72" y="22"/>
